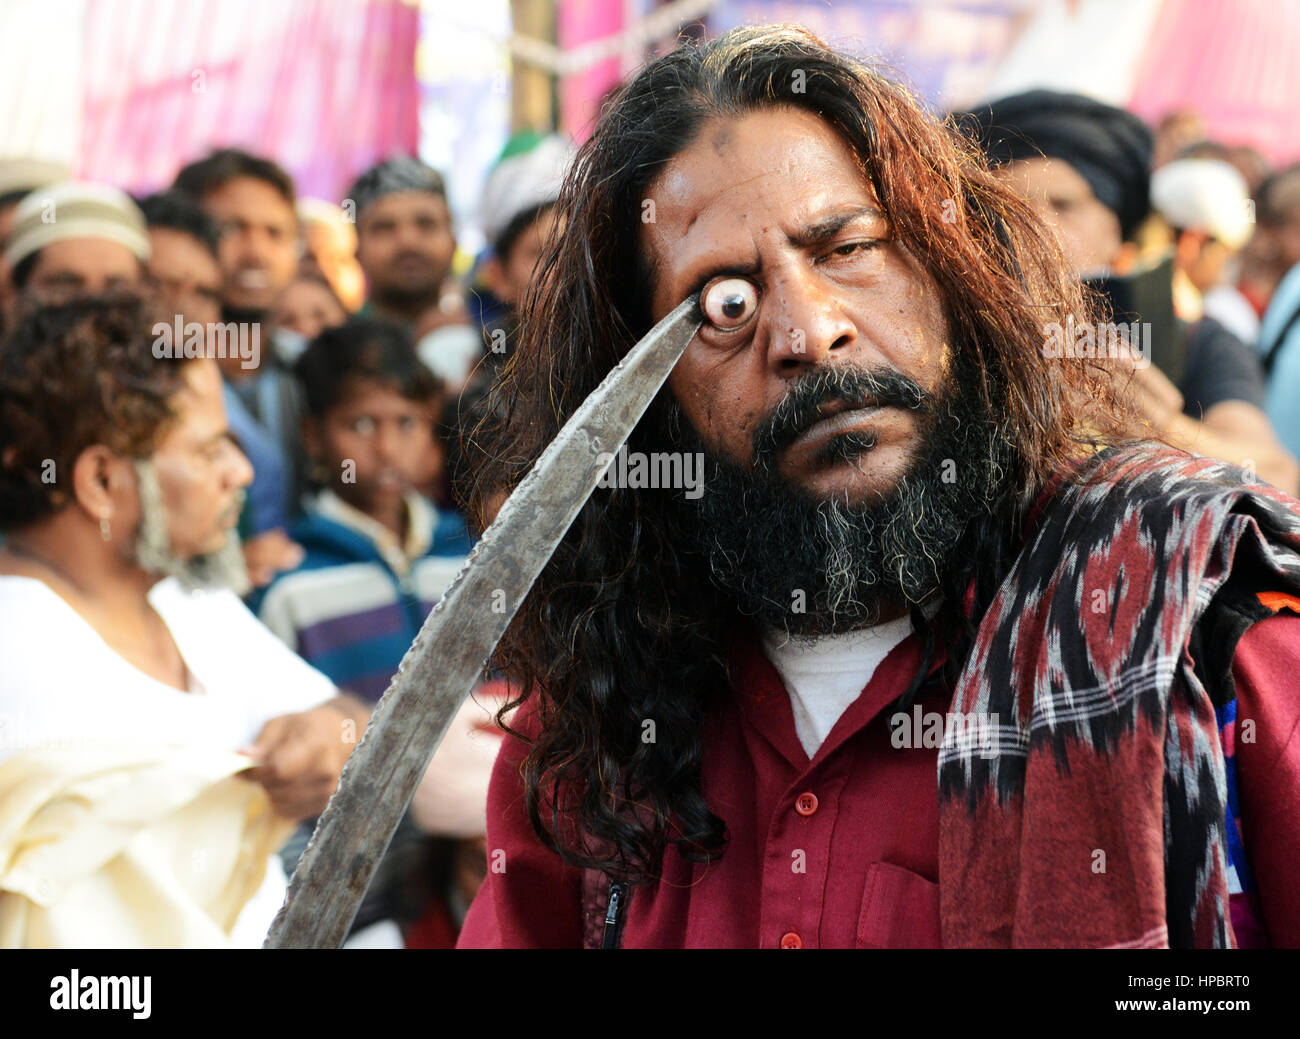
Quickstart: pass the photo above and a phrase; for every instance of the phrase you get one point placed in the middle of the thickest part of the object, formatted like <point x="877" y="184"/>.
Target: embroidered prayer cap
<point x="1107" y="146"/>
<point x="522" y="183"/>
<point x="76" y="209"/>
<point x="1204" y="195"/>
<point x="400" y="173"/>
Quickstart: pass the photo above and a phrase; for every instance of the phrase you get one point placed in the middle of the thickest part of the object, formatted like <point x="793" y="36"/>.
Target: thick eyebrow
<point x="823" y="230"/>
<point x="805" y="238"/>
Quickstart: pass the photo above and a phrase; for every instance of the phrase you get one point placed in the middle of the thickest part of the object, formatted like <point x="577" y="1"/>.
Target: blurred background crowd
<point x="351" y="196"/>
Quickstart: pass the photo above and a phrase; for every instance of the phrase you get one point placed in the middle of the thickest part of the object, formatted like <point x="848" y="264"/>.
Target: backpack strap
<point x="1270" y="355"/>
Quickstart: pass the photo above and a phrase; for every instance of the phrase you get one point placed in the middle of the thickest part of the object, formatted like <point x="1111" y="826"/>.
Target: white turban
<point x="1204" y="195"/>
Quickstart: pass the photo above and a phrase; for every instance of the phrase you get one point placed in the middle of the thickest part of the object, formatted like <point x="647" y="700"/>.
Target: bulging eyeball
<point x="729" y="303"/>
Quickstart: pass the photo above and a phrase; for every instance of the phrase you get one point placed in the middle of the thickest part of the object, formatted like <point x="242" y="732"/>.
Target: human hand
<point x="1156" y="399"/>
<point x="299" y="756"/>
<point x="268" y="554"/>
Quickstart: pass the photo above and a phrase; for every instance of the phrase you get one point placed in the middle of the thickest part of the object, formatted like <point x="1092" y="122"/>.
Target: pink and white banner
<point x="129" y="90"/>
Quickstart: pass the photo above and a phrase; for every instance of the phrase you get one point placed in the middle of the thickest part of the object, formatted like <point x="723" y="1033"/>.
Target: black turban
<point x="1107" y="147"/>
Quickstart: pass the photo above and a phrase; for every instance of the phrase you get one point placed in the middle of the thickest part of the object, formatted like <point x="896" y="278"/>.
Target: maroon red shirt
<point x="842" y="850"/>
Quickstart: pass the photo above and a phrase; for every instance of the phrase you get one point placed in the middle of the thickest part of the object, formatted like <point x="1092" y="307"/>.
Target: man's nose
<point x="410" y="239"/>
<point x="385" y="443"/>
<point x="254" y="247"/>
<point x="807" y="322"/>
<point x="240" y="473"/>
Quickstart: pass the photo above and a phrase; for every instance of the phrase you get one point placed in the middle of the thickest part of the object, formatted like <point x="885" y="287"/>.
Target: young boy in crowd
<point x="378" y="554"/>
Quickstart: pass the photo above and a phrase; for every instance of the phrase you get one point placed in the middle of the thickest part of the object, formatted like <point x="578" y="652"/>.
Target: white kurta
<point x="79" y="725"/>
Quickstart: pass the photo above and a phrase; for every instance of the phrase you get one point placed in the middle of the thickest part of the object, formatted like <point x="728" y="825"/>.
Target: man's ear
<point x="100" y="480"/>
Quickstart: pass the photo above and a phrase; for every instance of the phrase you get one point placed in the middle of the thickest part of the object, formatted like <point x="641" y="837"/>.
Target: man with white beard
<point x="160" y="740"/>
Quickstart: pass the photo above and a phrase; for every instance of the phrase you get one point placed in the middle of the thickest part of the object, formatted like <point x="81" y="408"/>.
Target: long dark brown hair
<point x="623" y="627"/>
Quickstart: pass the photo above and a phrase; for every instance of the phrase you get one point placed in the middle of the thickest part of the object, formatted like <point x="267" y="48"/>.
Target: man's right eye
<point x="364" y="425"/>
<point x="730" y="303"/>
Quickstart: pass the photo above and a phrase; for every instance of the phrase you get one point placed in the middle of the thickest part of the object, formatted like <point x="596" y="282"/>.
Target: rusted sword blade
<point x="447" y="656"/>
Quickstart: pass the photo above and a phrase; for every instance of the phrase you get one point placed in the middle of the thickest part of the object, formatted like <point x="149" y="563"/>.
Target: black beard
<point x="399" y="300"/>
<point x="813" y="567"/>
<point x="243" y="315"/>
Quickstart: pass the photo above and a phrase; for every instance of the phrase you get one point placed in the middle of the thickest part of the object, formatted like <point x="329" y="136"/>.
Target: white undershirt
<point x="824" y="675"/>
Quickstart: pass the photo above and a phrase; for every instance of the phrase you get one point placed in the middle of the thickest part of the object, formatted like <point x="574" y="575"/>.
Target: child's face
<point x="377" y="444"/>
<point x="308" y="308"/>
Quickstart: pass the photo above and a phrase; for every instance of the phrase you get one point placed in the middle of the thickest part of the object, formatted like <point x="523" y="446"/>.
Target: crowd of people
<point x="271" y="393"/>
<point x="248" y="439"/>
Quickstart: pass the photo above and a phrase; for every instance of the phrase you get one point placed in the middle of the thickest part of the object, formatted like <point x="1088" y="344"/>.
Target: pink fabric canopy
<point x="326" y="87"/>
<point x="1238" y="64"/>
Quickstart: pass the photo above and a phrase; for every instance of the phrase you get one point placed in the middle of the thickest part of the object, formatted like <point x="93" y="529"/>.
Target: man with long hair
<point x="935" y="653"/>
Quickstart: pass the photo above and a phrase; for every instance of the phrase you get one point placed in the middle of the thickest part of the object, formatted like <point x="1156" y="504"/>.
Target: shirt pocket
<point x="900" y="910"/>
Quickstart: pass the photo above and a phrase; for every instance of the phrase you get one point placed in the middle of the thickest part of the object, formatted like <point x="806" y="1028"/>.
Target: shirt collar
<point x="421" y="518"/>
<point x="765" y="703"/>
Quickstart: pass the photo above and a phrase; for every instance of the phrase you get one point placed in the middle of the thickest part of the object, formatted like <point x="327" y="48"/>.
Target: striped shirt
<point x="354" y="605"/>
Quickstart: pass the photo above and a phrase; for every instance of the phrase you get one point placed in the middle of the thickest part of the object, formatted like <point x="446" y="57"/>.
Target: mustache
<point x="856" y="387"/>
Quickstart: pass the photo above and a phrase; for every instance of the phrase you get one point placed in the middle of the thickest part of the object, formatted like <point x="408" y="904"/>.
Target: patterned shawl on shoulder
<point x="1082" y="800"/>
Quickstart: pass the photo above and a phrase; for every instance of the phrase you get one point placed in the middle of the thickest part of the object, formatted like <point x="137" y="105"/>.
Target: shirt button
<point x="790" y="940"/>
<point x="805" y="804"/>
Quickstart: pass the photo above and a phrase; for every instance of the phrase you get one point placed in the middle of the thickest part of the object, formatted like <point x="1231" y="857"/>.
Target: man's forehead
<point x="730" y="159"/>
<point x="249" y="198"/>
<point x="402" y="203"/>
<point x="1042" y="175"/>
<point x="740" y="181"/>
<point x="77" y="252"/>
<point x="172" y="247"/>
<point x="376" y="395"/>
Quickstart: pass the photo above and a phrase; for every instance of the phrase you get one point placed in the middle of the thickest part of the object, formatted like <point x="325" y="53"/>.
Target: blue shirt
<point x="268" y="496"/>
<point x="1284" y="382"/>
